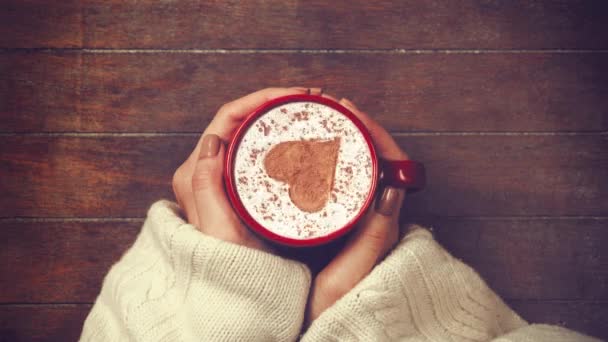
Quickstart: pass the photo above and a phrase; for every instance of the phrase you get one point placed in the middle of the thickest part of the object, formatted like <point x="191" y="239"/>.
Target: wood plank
<point x="469" y="175"/>
<point x="87" y="177"/>
<point x="42" y="322"/>
<point x="64" y="323"/>
<point x="58" y="262"/>
<point x="532" y="258"/>
<point x="40" y="92"/>
<point x="181" y="92"/>
<point x="519" y="175"/>
<point x="39" y="24"/>
<point x="586" y="317"/>
<point x="318" y="24"/>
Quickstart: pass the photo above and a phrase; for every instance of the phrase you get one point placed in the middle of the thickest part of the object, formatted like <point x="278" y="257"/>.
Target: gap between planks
<point x="306" y="51"/>
<point x="397" y="134"/>
<point x="141" y="219"/>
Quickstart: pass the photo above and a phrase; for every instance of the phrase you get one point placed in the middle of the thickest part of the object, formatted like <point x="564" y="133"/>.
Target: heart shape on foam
<point x="308" y="167"/>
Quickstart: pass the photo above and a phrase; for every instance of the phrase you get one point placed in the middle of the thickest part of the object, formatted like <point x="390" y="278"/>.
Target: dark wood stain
<point x="536" y="259"/>
<point x="360" y="24"/>
<point x="181" y="92"/>
<point x="583" y="316"/>
<point x="531" y="259"/>
<point x="60" y="262"/>
<point x="505" y="102"/>
<point x="20" y="323"/>
<point x="469" y="175"/>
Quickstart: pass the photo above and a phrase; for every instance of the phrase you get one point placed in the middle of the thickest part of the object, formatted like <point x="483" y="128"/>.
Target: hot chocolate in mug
<point x="301" y="170"/>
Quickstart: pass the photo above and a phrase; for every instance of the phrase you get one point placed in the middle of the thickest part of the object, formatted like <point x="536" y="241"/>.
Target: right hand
<point x="198" y="183"/>
<point x="376" y="234"/>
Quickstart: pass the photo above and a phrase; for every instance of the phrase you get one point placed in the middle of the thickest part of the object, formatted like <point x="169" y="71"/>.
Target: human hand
<point x="198" y="183"/>
<point x="375" y="235"/>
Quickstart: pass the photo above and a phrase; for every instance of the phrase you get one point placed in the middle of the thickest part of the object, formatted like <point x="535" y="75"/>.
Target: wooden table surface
<point x="505" y="101"/>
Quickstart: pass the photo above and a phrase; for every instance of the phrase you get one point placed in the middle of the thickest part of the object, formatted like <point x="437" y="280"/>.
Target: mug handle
<point x="402" y="174"/>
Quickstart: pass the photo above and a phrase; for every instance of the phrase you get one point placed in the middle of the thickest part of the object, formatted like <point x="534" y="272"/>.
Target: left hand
<point x="198" y="183"/>
<point x="375" y="236"/>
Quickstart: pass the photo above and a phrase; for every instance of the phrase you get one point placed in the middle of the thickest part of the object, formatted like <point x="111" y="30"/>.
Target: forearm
<point x="177" y="282"/>
<point x="419" y="291"/>
<point x="422" y="293"/>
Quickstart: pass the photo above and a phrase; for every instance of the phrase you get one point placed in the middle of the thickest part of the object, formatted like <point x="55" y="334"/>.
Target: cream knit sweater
<point x="176" y="284"/>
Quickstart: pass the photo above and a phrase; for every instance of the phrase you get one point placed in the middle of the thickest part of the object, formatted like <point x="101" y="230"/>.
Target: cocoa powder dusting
<point x="286" y="207"/>
<point x="265" y="128"/>
<point x="308" y="167"/>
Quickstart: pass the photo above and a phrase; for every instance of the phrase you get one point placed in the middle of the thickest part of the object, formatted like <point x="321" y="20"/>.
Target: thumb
<point x="363" y="250"/>
<point x="214" y="211"/>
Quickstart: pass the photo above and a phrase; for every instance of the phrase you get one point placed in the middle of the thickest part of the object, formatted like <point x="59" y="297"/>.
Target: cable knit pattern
<point x="419" y="293"/>
<point x="177" y="284"/>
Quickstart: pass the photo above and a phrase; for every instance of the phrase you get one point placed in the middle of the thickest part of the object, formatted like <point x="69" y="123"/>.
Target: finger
<point x="377" y="233"/>
<point x="315" y="91"/>
<point x="369" y="243"/>
<point x="182" y="188"/>
<point x="207" y="187"/>
<point x="320" y="92"/>
<point x="215" y="214"/>
<point x="389" y="202"/>
<point x="375" y="236"/>
<point x="230" y="115"/>
<point x="223" y="124"/>
<point x="386" y="146"/>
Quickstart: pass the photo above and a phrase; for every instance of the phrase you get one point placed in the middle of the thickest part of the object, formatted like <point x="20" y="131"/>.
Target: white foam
<point x="288" y="123"/>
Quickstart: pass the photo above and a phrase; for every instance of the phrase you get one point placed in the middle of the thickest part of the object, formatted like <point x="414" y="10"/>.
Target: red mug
<point x="404" y="174"/>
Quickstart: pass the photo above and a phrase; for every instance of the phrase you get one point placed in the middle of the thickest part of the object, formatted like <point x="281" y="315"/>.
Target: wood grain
<point x="469" y="175"/>
<point x="520" y="175"/>
<point x="87" y="177"/>
<point x="181" y="92"/>
<point x="526" y="210"/>
<point x="58" y="262"/>
<point x="64" y="322"/>
<point x="315" y="24"/>
<point x="532" y="258"/>
<point x="39" y="23"/>
<point x="42" y="322"/>
<point x="586" y="317"/>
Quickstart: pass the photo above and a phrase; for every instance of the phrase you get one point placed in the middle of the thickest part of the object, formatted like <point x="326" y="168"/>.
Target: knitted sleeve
<point x="177" y="284"/>
<point x="419" y="292"/>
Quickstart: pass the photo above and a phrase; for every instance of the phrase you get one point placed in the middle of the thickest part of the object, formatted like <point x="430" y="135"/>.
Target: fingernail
<point x="210" y="146"/>
<point x="346" y="102"/>
<point x="388" y="202"/>
<point x="316" y="91"/>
